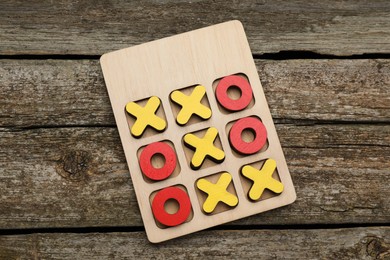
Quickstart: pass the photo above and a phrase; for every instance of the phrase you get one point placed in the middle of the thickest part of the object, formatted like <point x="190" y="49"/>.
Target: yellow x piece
<point x="217" y="192"/>
<point x="145" y="116"/>
<point x="204" y="147"/>
<point x="191" y="105"/>
<point x="262" y="179"/>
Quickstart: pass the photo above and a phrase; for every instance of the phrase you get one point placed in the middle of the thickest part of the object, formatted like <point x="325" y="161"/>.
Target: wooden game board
<point x="196" y="129"/>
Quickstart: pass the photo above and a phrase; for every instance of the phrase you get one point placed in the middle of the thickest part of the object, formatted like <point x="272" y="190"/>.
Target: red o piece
<point x="166" y="218"/>
<point x="256" y="126"/>
<point x="222" y="93"/>
<point x="145" y="159"/>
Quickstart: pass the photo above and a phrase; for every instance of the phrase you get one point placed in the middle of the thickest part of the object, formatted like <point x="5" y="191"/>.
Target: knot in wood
<point x="74" y="165"/>
<point x="377" y="248"/>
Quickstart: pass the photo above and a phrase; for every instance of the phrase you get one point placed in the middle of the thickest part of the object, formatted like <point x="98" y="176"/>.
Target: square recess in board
<point x="219" y="112"/>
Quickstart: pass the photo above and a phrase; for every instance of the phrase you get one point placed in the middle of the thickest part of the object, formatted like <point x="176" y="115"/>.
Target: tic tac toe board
<point x="196" y="130"/>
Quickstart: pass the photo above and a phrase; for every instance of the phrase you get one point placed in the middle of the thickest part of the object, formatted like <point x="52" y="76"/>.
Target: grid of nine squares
<point x="220" y="112"/>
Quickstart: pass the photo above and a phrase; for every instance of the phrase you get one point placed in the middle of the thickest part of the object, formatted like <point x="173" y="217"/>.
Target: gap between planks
<point x="277" y="121"/>
<point x="228" y="226"/>
<point x="356" y="243"/>
<point x="281" y="55"/>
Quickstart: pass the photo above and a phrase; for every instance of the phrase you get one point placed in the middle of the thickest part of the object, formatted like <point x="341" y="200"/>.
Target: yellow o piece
<point x="204" y="147"/>
<point x="217" y="192"/>
<point x="191" y="105"/>
<point x="145" y="116"/>
<point x="262" y="179"/>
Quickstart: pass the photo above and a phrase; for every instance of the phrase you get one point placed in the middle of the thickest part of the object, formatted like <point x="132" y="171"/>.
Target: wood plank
<point x="351" y="243"/>
<point x="72" y="92"/>
<point x="68" y="27"/>
<point x="77" y="177"/>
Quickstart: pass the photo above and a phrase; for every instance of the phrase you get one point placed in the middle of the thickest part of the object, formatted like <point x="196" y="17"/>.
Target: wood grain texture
<point x="353" y="243"/>
<point x="77" y="177"/>
<point x="68" y="27"/>
<point x="72" y="92"/>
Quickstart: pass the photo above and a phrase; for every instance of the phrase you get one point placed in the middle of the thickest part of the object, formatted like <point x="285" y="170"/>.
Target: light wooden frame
<point x="159" y="67"/>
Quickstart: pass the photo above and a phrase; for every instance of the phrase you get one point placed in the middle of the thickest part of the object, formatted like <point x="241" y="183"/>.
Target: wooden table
<point x="65" y="190"/>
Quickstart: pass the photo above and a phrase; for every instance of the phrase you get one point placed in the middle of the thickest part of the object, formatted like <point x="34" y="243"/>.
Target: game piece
<point x="256" y="127"/>
<point x="262" y="179"/>
<point x="217" y="192"/>
<point x="145" y="116"/>
<point x="166" y="218"/>
<point x="197" y="132"/>
<point x="223" y="98"/>
<point x="163" y="172"/>
<point x="204" y="147"/>
<point x="191" y="105"/>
